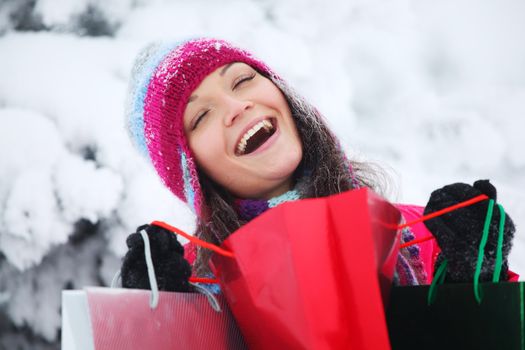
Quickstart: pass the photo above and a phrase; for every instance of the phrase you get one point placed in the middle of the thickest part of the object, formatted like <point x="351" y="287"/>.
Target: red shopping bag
<point x="308" y="274"/>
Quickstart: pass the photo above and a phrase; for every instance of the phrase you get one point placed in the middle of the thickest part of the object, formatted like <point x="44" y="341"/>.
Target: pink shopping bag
<point x="123" y="319"/>
<point x="116" y="318"/>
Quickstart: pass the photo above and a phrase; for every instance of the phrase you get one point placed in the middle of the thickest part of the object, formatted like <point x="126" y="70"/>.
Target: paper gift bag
<point x="307" y="274"/>
<point x="110" y="318"/>
<point x="76" y="325"/>
<point x="456" y="320"/>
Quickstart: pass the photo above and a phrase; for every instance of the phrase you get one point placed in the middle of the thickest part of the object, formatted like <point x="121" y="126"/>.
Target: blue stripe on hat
<point x="143" y="69"/>
<point x="188" y="188"/>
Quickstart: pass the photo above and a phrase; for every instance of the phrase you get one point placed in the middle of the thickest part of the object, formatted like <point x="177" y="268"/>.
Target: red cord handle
<point x="204" y="280"/>
<point x="194" y="239"/>
<point x="224" y="252"/>
<point x="463" y="204"/>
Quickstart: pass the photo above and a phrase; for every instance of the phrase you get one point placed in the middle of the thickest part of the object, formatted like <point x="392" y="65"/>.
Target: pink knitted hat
<point x="162" y="80"/>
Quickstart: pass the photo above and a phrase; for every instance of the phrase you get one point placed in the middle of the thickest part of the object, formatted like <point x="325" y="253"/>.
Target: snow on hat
<point x="162" y="80"/>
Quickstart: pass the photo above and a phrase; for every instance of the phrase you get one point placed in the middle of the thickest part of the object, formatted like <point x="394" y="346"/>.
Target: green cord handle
<point x="481" y="251"/>
<point x="439" y="278"/>
<point x="441" y="271"/>
<point x="499" y="251"/>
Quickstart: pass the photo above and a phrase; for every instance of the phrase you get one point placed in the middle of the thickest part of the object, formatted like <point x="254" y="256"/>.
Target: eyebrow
<point x="221" y="73"/>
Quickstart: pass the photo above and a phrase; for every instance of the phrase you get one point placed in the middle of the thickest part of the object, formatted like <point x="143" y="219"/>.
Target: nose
<point x="235" y="108"/>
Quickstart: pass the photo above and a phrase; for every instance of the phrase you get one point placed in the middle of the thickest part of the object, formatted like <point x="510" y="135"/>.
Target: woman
<point x="229" y="137"/>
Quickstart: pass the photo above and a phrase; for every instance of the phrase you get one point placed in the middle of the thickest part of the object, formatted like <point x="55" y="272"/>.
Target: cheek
<point x="270" y="93"/>
<point x="207" y="148"/>
<point x="273" y="97"/>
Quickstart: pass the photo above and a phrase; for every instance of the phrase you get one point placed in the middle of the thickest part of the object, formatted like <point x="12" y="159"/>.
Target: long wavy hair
<point x="330" y="172"/>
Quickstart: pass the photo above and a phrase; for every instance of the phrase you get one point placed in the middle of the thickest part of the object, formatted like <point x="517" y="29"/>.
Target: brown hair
<point x="330" y="173"/>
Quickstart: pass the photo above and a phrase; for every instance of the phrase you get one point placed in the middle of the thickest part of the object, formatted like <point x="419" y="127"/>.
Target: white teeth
<point x="267" y="125"/>
<point x="241" y="147"/>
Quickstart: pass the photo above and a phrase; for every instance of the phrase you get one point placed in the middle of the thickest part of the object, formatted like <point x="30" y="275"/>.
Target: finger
<point x="166" y="239"/>
<point x="134" y="240"/>
<point x="143" y="227"/>
<point x="486" y="188"/>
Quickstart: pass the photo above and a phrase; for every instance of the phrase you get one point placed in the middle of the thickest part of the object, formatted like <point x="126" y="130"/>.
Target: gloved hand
<point x="172" y="271"/>
<point x="459" y="232"/>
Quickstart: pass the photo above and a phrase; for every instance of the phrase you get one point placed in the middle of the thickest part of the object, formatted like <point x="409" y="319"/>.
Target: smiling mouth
<point x="255" y="137"/>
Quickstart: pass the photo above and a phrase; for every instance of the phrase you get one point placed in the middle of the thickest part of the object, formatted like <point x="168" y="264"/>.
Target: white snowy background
<point x="434" y="91"/>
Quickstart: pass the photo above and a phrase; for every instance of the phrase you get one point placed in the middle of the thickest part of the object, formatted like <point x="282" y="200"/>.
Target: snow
<point x="30" y="221"/>
<point x="59" y="15"/>
<point x="432" y="91"/>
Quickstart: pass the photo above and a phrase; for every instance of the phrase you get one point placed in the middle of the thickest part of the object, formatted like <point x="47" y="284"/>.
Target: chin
<point x="287" y="164"/>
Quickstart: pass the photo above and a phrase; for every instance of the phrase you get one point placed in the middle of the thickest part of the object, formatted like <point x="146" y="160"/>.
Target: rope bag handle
<point x="154" y="297"/>
<point x="223" y="252"/>
<point x="229" y="254"/>
<point x="441" y="271"/>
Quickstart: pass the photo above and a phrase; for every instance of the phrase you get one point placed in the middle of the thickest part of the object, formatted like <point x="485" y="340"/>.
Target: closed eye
<point x="242" y="79"/>
<point x="199" y="118"/>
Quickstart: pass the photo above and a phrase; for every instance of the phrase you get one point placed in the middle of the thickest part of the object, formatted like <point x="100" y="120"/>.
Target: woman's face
<point x="241" y="132"/>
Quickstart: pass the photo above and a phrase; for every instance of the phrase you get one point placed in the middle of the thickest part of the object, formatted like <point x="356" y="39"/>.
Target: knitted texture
<point x="251" y="208"/>
<point x="163" y="78"/>
<point x="410" y="270"/>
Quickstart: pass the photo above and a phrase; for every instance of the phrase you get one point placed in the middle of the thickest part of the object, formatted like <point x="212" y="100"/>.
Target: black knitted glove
<point x="459" y="232"/>
<point x="172" y="271"/>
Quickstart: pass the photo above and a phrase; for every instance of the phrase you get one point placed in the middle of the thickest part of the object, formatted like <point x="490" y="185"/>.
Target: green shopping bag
<point x="460" y="315"/>
<point x="455" y="320"/>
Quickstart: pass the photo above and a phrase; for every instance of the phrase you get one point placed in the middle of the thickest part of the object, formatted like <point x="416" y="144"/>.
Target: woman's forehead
<point x="217" y="74"/>
<point x="233" y="66"/>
